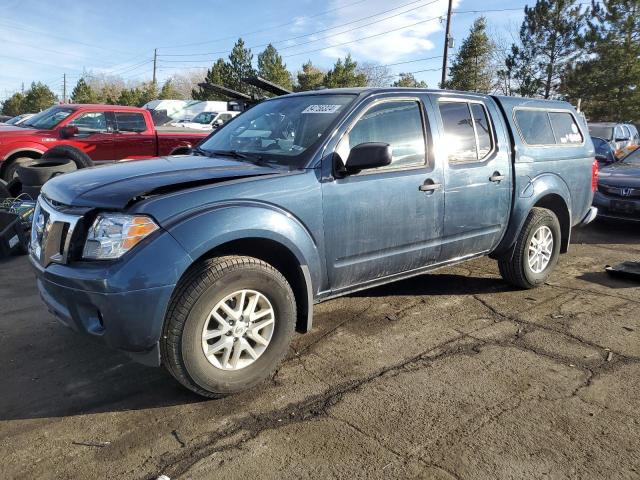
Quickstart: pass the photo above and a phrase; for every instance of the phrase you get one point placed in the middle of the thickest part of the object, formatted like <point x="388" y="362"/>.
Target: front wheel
<point x="229" y="325"/>
<point x="536" y="251"/>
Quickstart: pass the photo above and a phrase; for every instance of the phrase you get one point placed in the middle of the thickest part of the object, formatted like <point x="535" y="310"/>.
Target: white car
<point x="17" y="120"/>
<point x="206" y="120"/>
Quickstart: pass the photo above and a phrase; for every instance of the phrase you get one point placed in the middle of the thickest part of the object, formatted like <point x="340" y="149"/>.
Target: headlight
<point x="113" y="234"/>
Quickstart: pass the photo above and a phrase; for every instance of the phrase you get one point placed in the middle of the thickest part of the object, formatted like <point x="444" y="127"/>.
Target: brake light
<point x="595" y="168"/>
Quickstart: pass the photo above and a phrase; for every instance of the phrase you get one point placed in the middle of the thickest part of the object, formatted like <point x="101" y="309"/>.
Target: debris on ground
<point x="92" y="444"/>
<point x="626" y="270"/>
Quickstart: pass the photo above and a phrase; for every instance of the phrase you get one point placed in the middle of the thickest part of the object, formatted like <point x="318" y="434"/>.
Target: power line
<point x="316" y="32"/>
<point x="246" y="34"/>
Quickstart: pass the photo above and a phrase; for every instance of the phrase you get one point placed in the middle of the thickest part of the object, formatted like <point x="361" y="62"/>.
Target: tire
<point x="4" y="191"/>
<point x="67" y="152"/>
<point x="38" y="173"/>
<point x="11" y="171"/>
<point x="32" y="191"/>
<point x="207" y="285"/>
<point x="517" y="269"/>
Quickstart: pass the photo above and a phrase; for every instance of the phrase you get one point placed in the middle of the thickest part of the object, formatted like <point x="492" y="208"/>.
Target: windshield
<point x="14" y="120"/>
<point x="48" y="119"/>
<point x="601" y="131"/>
<point x="280" y="130"/>
<point x="204" y="117"/>
<point x="633" y="157"/>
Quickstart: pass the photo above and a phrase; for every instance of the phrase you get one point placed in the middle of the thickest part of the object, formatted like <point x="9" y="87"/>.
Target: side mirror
<point x="68" y="132"/>
<point x="217" y="123"/>
<point x="368" y="155"/>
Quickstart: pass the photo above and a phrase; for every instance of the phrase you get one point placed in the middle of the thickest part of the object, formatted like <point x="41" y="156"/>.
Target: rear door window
<point x="467" y="129"/>
<point x="460" y="137"/>
<point x="565" y="128"/>
<point x="130" y="122"/>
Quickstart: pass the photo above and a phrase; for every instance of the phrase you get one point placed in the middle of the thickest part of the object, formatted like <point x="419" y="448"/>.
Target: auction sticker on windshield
<point x="322" y="109"/>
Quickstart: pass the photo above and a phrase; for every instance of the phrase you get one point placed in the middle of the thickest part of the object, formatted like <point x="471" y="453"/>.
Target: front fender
<point x="531" y="191"/>
<point x="205" y="230"/>
<point x="11" y="149"/>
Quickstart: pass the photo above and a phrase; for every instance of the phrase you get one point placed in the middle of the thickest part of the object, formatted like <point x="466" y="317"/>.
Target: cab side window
<point x="90" y="122"/>
<point x="130" y="122"/>
<point x="398" y="123"/>
<point x="467" y="130"/>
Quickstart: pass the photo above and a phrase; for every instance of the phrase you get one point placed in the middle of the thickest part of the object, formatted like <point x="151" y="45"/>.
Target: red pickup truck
<point x="91" y="133"/>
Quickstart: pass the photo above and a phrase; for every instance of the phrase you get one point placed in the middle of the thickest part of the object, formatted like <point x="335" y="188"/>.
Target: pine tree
<point x="218" y="74"/>
<point x="344" y="74"/>
<point x="310" y="78"/>
<point x="272" y="68"/>
<point x="14" y="105"/>
<point x="83" y="93"/>
<point x="169" y="92"/>
<point x="548" y="41"/>
<point x="240" y="66"/>
<point x="408" y="80"/>
<point x="130" y="97"/>
<point x="39" y="97"/>
<point x="608" y="80"/>
<point x="471" y="69"/>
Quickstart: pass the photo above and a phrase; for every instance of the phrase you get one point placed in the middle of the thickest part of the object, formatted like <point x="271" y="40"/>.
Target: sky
<point x="41" y="41"/>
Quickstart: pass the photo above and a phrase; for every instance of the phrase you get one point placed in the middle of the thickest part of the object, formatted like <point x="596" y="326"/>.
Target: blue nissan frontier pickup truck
<point x="207" y="263"/>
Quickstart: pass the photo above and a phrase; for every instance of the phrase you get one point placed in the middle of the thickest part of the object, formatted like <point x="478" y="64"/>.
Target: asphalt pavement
<point x="451" y="375"/>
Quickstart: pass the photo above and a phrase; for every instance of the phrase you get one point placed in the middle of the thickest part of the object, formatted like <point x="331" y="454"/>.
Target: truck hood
<point x="23" y="131"/>
<point x="620" y="174"/>
<point x="113" y="186"/>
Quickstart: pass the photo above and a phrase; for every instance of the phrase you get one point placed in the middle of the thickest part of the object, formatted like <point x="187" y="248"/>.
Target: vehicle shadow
<point x="607" y="231"/>
<point x="606" y="280"/>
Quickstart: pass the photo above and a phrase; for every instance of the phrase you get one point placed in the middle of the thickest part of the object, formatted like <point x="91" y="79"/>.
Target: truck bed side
<point x="557" y="177"/>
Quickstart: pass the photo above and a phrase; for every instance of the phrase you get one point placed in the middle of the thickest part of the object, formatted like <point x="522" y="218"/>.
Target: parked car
<point x="88" y="134"/>
<point x="18" y="119"/>
<point x="604" y="153"/>
<point x="206" y="120"/>
<point x="618" y="194"/>
<point x="304" y="198"/>
<point x="623" y="138"/>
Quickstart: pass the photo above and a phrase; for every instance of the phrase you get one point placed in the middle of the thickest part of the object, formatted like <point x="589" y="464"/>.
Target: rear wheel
<point x="229" y="325"/>
<point x="536" y="251"/>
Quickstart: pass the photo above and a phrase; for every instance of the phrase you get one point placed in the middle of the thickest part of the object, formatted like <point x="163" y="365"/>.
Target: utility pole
<point x="155" y="59"/>
<point x="446" y="46"/>
<point x="22" y="88"/>
<point x="64" y="88"/>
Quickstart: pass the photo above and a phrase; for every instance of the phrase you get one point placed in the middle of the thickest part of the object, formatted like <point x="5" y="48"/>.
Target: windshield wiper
<point x="253" y="158"/>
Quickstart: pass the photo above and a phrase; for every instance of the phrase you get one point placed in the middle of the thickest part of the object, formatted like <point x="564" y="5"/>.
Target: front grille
<point x="51" y="233"/>
<point x="619" y="192"/>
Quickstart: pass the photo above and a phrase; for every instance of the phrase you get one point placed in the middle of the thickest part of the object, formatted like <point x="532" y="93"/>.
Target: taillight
<point x="595" y="168"/>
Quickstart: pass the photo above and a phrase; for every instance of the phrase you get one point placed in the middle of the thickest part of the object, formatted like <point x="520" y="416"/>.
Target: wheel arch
<point x="545" y="191"/>
<point x="33" y="153"/>
<point x="267" y="234"/>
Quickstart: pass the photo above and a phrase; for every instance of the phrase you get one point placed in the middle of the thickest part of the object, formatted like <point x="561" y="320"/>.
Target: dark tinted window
<point x="535" y="127"/>
<point x="460" y="137"/>
<point x="483" y="130"/>
<point x="397" y="123"/>
<point x="565" y="128"/>
<point x="601" y="131"/>
<point x="130" y="122"/>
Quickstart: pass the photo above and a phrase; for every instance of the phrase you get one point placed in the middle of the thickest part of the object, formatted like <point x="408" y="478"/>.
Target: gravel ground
<point x="449" y="375"/>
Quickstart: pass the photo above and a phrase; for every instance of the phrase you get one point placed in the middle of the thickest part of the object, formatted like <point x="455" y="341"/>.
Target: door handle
<point x="429" y="186"/>
<point x="497" y="177"/>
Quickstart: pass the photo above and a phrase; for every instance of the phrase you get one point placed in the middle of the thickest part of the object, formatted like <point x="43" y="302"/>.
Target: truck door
<point x="386" y="220"/>
<point x="94" y="137"/>
<point x="477" y="158"/>
<point x="133" y="137"/>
